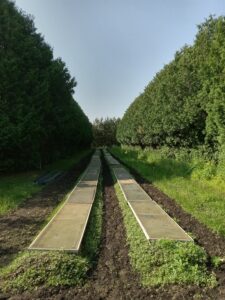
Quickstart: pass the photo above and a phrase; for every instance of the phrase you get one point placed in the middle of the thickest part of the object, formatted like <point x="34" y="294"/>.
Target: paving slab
<point x="153" y="220"/>
<point x="163" y="227"/>
<point x="83" y="195"/>
<point x="66" y="229"/>
<point x="133" y="192"/>
<point x="87" y="183"/>
<point x="127" y="181"/>
<point x="64" y="232"/>
<point x="146" y="207"/>
<point x="112" y="161"/>
<point x="121" y="173"/>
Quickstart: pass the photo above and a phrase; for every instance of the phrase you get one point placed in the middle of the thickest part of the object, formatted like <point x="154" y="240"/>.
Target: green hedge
<point x="184" y="104"/>
<point x="39" y="119"/>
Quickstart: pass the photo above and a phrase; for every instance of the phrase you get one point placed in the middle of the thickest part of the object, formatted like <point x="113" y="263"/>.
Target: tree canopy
<point x="39" y="119"/>
<point x="184" y="105"/>
<point x="104" y="131"/>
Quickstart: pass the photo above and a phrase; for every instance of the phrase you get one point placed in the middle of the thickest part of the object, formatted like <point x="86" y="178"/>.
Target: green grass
<point x="16" y="188"/>
<point x="191" y="182"/>
<point x="32" y="269"/>
<point x="163" y="262"/>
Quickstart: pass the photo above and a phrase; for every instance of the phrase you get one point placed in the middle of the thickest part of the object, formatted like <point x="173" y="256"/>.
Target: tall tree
<point x="39" y="119"/>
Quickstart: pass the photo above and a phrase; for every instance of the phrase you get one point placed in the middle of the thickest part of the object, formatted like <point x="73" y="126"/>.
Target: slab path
<point x="154" y="221"/>
<point x="66" y="229"/>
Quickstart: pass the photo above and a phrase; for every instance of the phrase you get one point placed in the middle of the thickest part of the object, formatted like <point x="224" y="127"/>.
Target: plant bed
<point x="112" y="275"/>
<point x="47" y="269"/>
<point x="163" y="262"/>
<point x="19" y="226"/>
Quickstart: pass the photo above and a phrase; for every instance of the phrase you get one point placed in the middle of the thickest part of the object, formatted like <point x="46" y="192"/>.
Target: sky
<point x="114" y="48"/>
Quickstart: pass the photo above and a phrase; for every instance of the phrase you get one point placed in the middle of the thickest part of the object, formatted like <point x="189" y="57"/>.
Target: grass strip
<point x="163" y="262"/>
<point x="182" y="180"/>
<point x="16" y="188"/>
<point x="32" y="269"/>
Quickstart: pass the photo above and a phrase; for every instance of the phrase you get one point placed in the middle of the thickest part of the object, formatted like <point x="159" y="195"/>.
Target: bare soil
<point x="213" y="243"/>
<point x="19" y="227"/>
<point x="113" y="277"/>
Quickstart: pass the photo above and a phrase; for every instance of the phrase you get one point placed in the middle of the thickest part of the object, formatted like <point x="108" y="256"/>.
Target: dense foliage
<point x="39" y="119"/>
<point x="104" y="131"/>
<point x="184" y="105"/>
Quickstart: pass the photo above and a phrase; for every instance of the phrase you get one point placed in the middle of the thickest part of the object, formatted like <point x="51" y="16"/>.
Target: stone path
<point x="66" y="229"/>
<point x="154" y="221"/>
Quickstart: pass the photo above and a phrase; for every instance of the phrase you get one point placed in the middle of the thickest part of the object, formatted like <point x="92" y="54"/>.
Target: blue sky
<point x="114" y="47"/>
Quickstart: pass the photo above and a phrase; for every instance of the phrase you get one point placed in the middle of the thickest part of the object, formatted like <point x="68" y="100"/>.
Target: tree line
<point x="104" y="131"/>
<point x="39" y="119"/>
<point x="184" y="104"/>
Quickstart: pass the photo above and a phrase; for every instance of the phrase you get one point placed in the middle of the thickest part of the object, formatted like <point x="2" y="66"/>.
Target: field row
<point x="152" y="258"/>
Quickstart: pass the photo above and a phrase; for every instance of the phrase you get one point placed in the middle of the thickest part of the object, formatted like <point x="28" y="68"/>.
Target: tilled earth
<point x="19" y="227"/>
<point x="113" y="278"/>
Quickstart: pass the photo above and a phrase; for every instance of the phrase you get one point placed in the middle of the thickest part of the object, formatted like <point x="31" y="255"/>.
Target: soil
<point x="113" y="277"/>
<point x="205" y="237"/>
<point x="19" y="227"/>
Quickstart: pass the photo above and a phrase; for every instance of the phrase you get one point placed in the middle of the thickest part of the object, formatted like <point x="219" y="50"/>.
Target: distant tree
<point x="104" y="131"/>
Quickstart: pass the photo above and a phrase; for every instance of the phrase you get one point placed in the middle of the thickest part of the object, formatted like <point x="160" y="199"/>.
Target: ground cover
<point x="16" y="188"/>
<point x="163" y="262"/>
<point x="112" y="276"/>
<point x="32" y="269"/>
<point x="19" y="226"/>
<point x="186" y="181"/>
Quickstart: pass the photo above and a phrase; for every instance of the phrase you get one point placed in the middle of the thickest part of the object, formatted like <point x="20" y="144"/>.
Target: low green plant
<point x="188" y="178"/>
<point x="163" y="262"/>
<point x="216" y="261"/>
<point x="56" y="268"/>
<point x="32" y="269"/>
<point x="16" y="188"/>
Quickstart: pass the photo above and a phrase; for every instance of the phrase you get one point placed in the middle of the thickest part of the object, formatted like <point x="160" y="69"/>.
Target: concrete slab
<point x="63" y="233"/>
<point x="90" y="176"/>
<point x="133" y="194"/>
<point x="87" y="183"/>
<point x="153" y="220"/>
<point x="121" y="173"/>
<point x="66" y="229"/>
<point x="127" y="181"/>
<point x="85" y="195"/>
<point x="146" y="207"/>
<point x="162" y="227"/>
<point x="111" y="160"/>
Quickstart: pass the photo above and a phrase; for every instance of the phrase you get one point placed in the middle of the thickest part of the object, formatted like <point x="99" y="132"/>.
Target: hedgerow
<point x="40" y="121"/>
<point x="184" y="105"/>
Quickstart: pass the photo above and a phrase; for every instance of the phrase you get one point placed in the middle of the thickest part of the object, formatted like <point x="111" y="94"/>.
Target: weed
<point x="163" y="262"/>
<point x="56" y="268"/>
<point x="15" y="189"/>
<point x="187" y="178"/>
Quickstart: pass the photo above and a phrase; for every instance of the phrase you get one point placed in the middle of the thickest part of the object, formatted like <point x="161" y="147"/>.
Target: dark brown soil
<point x="113" y="278"/>
<point x="205" y="237"/>
<point x="19" y="227"/>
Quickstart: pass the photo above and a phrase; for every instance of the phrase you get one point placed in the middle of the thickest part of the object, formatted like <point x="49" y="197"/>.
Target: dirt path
<point x="19" y="227"/>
